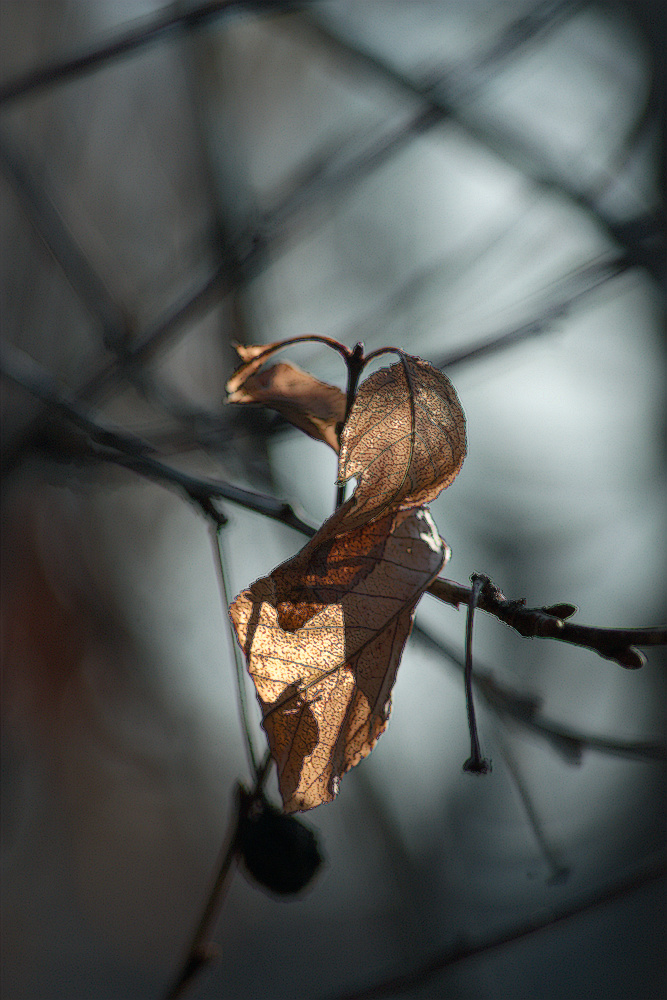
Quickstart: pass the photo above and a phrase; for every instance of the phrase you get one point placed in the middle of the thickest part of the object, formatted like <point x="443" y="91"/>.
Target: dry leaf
<point x="323" y="636"/>
<point x="311" y="405"/>
<point x="404" y="439"/>
<point x="253" y="357"/>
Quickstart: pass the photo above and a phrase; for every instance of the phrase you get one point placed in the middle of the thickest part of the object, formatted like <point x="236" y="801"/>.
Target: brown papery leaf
<point x="323" y="636"/>
<point x="313" y="406"/>
<point x="253" y="357"/>
<point x="404" y="439"/>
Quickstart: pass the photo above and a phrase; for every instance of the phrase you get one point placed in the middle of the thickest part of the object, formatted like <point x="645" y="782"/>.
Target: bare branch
<point x="575" y="288"/>
<point x="200" y="951"/>
<point x="132" y="452"/>
<point x="442" y="94"/>
<point x="548" y="623"/>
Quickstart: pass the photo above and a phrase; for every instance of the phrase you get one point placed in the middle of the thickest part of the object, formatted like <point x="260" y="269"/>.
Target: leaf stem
<point x="240" y="675"/>
<point x="355" y="362"/>
<point x="476" y="764"/>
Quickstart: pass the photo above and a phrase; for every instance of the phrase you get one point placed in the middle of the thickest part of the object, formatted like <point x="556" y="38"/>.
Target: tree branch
<point x="41" y="210"/>
<point x="200" y="951"/>
<point x="616" y="644"/>
<point x="132" y="452"/>
<point x="443" y="94"/>
<point x="576" y="287"/>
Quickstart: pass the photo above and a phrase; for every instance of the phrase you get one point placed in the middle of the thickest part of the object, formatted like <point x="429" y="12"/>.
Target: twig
<point x="216" y="542"/>
<point x="476" y="764"/>
<point x="559" y="871"/>
<point x="355" y="364"/>
<point x="616" y="644"/>
<point x="27" y="373"/>
<point x="597" y="273"/>
<point x="393" y="985"/>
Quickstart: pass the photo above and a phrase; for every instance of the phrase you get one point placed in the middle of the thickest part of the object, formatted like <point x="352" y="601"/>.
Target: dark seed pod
<point x="278" y="851"/>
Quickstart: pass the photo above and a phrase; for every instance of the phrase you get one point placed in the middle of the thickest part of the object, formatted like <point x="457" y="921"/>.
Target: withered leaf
<point x="313" y="406"/>
<point x="253" y="357"/>
<point x="404" y="439"/>
<point x="323" y="636"/>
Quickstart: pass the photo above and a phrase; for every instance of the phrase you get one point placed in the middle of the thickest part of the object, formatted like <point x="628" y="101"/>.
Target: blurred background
<point x="477" y="183"/>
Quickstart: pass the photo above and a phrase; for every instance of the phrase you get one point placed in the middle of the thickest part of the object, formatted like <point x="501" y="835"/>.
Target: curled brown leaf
<point x="404" y="439"/>
<point x="323" y="636"/>
<point x="253" y="357"/>
<point x="313" y="406"/>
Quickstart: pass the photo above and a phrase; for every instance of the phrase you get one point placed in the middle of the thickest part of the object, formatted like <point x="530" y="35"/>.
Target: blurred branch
<point x="132" y="452"/>
<point x="333" y="170"/>
<point x="543" y="18"/>
<point x="22" y="370"/>
<point x="524" y="709"/>
<point x="549" y="622"/>
<point x="559" y="872"/>
<point x="40" y="209"/>
<point x="443" y="95"/>
<point x="129" y="41"/>
<point x="651" y="871"/>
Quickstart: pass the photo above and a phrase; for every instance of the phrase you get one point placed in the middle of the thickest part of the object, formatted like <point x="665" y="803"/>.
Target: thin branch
<point x="345" y="166"/>
<point x="131" y="452"/>
<point x="200" y="951"/>
<point x="216" y="542"/>
<point x="559" y="871"/>
<point x="355" y="361"/>
<point x="188" y="308"/>
<point x="19" y="368"/>
<point x="524" y="710"/>
<point x="391" y="986"/>
<point x="616" y="644"/>
<point x="128" y="41"/>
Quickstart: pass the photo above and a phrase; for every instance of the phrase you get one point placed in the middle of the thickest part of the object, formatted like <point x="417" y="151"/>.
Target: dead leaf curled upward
<point x="404" y="439"/>
<point x="323" y="636"/>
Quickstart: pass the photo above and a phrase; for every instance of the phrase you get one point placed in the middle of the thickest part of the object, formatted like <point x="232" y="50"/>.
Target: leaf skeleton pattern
<point x="404" y="439"/>
<point x="325" y="687"/>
